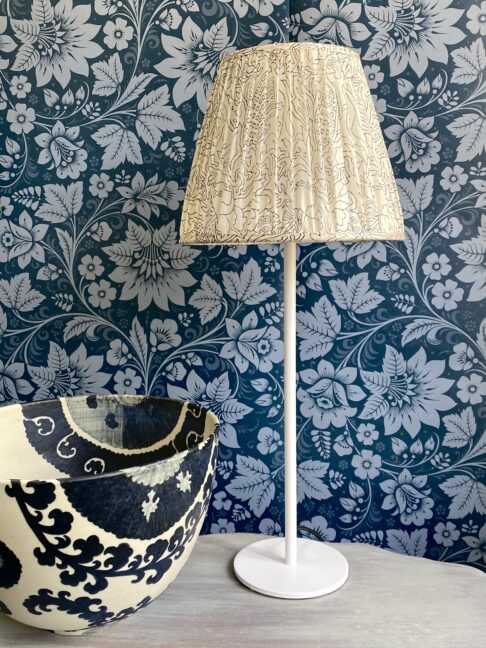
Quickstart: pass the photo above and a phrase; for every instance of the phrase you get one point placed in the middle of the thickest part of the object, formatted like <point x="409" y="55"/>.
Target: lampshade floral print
<point x="127" y="161"/>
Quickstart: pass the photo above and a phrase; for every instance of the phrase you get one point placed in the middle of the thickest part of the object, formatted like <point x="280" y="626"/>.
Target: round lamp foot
<point x="319" y="570"/>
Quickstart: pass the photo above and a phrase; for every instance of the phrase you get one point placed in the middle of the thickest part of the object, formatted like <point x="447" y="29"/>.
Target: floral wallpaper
<point x="100" y="108"/>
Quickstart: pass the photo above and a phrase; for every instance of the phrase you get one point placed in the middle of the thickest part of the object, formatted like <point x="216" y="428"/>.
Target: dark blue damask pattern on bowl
<point x="97" y="297"/>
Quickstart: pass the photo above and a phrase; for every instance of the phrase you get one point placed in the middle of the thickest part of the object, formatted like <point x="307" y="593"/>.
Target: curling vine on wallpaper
<point x="101" y="104"/>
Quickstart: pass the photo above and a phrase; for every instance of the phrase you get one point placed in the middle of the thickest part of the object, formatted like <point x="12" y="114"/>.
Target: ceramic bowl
<point x="101" y="501"/>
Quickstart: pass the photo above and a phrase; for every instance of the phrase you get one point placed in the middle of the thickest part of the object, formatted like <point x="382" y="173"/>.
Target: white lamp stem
<point x="272" y="566"/>
<point x="290" y="396"/>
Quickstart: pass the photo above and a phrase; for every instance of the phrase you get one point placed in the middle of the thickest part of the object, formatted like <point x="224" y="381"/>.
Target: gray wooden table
<point x="389" y="601"/>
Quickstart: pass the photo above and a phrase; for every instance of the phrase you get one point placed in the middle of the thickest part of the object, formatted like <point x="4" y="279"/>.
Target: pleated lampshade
<point x="291" y="150"/>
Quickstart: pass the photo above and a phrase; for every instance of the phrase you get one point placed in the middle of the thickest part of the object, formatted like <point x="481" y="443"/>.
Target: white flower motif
<point x="471" y="389"/>
<point x="329" y="394"/>
<point x="262" y="347"/>
<point x="20" y="86"/>
<point x="463" y="357"/>
<point x="414" y="142"/>
<point x="374" y="75"/>
<point x="100" y="185"/>
<point x="163" y="335"/>
<point x="101" y="294"/>
<point x="193" y="60"/>
<point x="409" y="497"/>
<point x="446" y="534"/>
<point x="127" y="382"/>
<point x="412" y="33"/>
<point x="90" y="267"/>
<point x="21" y="118"/>
<point x="453" y="179"/>
<point x="366" y="465"/>
<point x="407" y="393"/>
<point x="477" y="19"/>
<point x="151" y="267"/>
<point x="150" y="505"/>
<point x="62" y="150"/>
<point x="318" y="528"/>
<point x="236" y="251"/>
<point x="146" y="197"/>
<point x="22" y="241"/>
<point x="118" y="353"/>
<point x="334" y="24"/>
<point x="184" y="481"/>
<point x="268" y="441"/>
<point x="447" y="295"/>
<point x="118" y="34"/>
<point x="367" y="433"/>
<point x="223" y="526"/>
<point x="56" y="42"/>
<point x="436" y="266"/>
<point x="106" y="7"/>
<point x="69" y="375"/>
<point x="262" y="7"/>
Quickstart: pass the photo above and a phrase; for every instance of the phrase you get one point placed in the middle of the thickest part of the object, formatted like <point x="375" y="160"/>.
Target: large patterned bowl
<point x="101" y="502"/>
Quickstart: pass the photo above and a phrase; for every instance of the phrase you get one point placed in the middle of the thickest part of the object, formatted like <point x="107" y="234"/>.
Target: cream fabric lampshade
<point x="291" y="150"/>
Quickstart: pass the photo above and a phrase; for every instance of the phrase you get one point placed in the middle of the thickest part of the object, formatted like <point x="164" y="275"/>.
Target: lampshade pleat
<point x="291" y="149"/>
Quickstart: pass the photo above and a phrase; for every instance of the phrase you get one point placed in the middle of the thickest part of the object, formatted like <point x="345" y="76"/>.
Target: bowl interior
<point x="84" y="436"/>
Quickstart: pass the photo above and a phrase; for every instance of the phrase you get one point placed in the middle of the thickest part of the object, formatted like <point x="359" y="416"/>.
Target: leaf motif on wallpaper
<point x="415" y="196"/>
<point x="61" y="202"/>
<point x="139" y="340"/>
<point x="254" y="484"/>
<point x="411" y="544"/>
<point x="154" y="117"/>
<point x="470" y="62"/>
<point x="208" y="299"/>
<point x="419" y="328"/>
<point x="473" y="253"/>
<point x="461" y="428"/>
<point x="381" y="18"/>
<point x="468" y="495"/>
<point x="233" y="411"/>
<point x="355" y="295"/>
<point x="309" y="480"/>
<point x="247" y="286"/>
<point x="3" y="322"/>
<point x="66" y="244"/>
<point x="120" y="144"/>
<point x="411" y="244"/>
<point x="480" y="185"/>
<point x="135" y="87"/>
<point x="481" y="337"/>
<point x="470" y="128"/>
<point x="379" y="47"/>
<point x="18" y="294"/>
<point x="79" y="325"/>
<point x="108" y="74"/>
<point x="318" y="329"/>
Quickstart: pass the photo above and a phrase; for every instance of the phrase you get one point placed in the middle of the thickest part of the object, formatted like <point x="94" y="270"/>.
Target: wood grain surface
<point x="389" y="601"/>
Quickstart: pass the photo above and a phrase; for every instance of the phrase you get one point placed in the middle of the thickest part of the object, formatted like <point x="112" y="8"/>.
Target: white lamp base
<point x="319" y="569"/>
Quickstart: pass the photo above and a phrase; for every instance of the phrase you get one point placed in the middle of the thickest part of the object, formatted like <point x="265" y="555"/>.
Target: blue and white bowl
<point x="101" y="501"/>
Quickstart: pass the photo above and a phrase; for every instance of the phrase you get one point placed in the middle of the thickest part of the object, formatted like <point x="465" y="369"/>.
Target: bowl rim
<point x="213" y="436"/>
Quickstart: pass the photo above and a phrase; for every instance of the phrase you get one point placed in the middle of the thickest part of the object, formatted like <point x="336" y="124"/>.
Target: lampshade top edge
<point x="268" y="48"/>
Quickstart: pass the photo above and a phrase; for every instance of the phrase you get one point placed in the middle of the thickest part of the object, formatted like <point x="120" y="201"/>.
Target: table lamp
<point x="291" y="151"/>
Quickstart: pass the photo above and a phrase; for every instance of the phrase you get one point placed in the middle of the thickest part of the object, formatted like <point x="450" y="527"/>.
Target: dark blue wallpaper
<point x="100" y="108"/>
